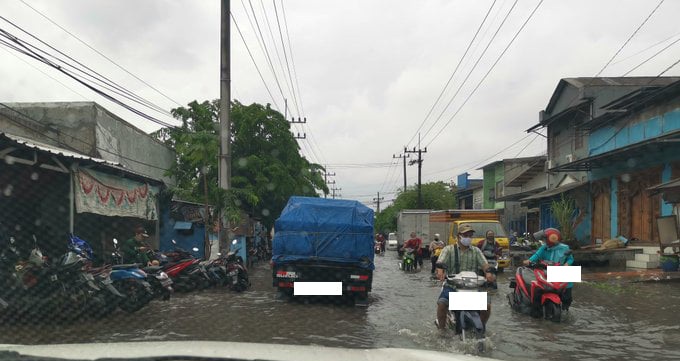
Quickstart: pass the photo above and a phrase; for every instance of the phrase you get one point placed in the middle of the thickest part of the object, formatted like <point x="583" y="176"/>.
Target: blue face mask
<point x="466" y="241"/>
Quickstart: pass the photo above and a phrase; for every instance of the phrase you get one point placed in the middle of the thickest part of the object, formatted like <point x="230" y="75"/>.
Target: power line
<point x="290" y="49"/>
<point x="44" y="73"/>
<point x="488" y="72"/>
<point x="452" y="74"/>
<point x="23" y="49"/>
<point x="285" y="56"/>
<point x="471" y="70"/>
<point x="629" y="38"/>
<point x="98" y="52"/>
<point x="253" y="60"/>
<point x="98" y="76"/>
<point x="264" y="48"/>
<point x="645" y="49"/>
<point x="651" y="57"/>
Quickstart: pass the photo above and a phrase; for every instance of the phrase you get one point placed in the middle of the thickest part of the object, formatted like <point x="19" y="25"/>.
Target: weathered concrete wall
<point x="88" y="128"/>
<point x="65" y="125"/>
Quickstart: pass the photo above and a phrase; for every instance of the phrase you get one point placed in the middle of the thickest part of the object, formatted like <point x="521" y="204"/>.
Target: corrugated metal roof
<point x="32" y="144"/>
<point x="622" y="81"/>
<point x="665" y="186"/>
<point x="54" y="150"/>
<point x="555" y="191"/>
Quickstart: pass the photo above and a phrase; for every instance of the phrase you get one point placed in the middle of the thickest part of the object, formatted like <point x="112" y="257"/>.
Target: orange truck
<point x="481" y="220"/>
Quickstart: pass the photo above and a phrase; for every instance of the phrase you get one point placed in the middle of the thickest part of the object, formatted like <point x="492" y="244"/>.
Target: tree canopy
<point x="436" y="195"/>
<point x="266" y="165"/>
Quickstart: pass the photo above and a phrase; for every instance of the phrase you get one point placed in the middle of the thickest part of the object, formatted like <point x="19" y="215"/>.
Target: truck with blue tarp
<point x="324" y="240"/>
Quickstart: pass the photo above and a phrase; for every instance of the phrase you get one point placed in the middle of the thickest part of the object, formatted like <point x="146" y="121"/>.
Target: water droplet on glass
<point x="275" y="153"/>
<point x="625" y="178"/>
<point x="242" y="162"/>
<point x="631" y="162"/>
<point x="17" y="228"/>
<point x="238" y="202"/>
<point x="34" y="176"/>
<point x="271" y="186"/>
<point x="265" y="212"/>
<point x="62" y="209"/>
<point x="8" y="190"/>
<point x="9" y="160"/>
<point x="305" y="189"/>
<point x="38" y="222"/>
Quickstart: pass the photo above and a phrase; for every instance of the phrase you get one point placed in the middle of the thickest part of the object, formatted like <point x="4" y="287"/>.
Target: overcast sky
<point x="368" y="71"/>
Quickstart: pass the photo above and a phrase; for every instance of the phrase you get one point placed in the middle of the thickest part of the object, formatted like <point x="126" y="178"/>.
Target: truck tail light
<point x="359" y="277"/>
<point x="357" y="288"/>
<point x="286" y="284"/>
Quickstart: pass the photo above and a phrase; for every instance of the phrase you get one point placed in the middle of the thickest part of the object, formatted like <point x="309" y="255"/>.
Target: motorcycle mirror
<point x="234" y="241"/>
<point x="195" y="249"/>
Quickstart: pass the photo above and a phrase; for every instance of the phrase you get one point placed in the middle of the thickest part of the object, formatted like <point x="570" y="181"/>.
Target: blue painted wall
<point x="614" y="211"/>
<point x="612" y="137"/>
<point x="186" y="242"/>
<point x="666" y="208"/>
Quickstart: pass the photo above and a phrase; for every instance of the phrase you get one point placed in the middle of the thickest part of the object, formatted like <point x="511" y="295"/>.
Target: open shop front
<point x="48" y="192"/>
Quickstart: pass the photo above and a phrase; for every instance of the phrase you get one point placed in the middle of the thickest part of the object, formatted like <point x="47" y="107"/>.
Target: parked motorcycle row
<point x="39" y="290"/>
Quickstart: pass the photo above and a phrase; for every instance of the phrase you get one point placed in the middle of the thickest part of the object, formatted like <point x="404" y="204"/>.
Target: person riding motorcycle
<point x="134" y="249"/>
<point x="460" y="257"/>
<point x="381" y="241"/>
<point x="554" y="251"/>
<point x="436" y="247"/>
<point x="415" y="243"/>
<point x="490" y="248"/>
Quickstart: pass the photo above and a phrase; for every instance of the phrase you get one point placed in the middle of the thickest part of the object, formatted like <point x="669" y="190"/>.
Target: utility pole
<point x="377" y="200"/>
<point x="420" y="167"/>
<point x="336" y="189"/>
<point x="403" y="156"/>
<point x="325" y="179"/>
<point x="225" y="103"/>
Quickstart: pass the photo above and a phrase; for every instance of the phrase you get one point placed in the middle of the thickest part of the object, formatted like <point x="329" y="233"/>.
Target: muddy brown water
<point x="608" y="320"/>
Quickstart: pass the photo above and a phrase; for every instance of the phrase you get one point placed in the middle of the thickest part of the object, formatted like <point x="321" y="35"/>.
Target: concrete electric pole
<point x="225" y="104"/>
<point x="377" y="201"/>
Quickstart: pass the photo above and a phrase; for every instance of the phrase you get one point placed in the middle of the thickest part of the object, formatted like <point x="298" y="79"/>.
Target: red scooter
<point x="185" y="271"/>
<point x="534" y="295"/>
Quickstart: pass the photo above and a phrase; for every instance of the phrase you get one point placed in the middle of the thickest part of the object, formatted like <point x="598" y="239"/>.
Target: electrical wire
<point x="452" y="74"/>
<point x="487" y="73"/>
<point x="471" y="70"/>
<point x="253" y="60"/>
<point x="652" y="57"/>
<point x="285" y="56"/>
<point x="290" y="49"/>
<point x="100" y="53"/>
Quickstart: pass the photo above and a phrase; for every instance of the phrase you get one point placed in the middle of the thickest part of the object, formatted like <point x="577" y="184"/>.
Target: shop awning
<point x="670" y="185"/>
<point x="555" y="191"/>
<point x="182" y="226"/>
<point x="520" y="195"/>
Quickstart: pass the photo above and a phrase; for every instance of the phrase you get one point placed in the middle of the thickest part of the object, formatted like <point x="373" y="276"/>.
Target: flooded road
<point x="608" y="321"/>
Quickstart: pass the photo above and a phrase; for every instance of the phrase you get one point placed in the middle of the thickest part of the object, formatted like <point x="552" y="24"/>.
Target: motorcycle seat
<point x="528" y="275"/>
<point x="152" y="269"/>
<point x="125" y="266"/>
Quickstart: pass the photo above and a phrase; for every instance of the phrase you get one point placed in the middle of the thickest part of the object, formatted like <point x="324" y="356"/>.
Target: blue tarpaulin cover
<point x="320" y="229"/>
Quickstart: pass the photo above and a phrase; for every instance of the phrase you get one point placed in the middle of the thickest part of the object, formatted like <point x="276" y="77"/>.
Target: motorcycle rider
<point x="415" y="243"/>
<point x="381" y="241"/>
<point x="554" y="251"/>
<point x="436" y="247"/>
<point x="134" y="249"/>
<point x="490" y="248"/>
<point x="468" y="259"/>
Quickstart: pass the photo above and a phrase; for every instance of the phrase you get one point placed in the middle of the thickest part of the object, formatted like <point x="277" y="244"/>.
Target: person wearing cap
<point x="466" y="258"/>
<point x="436" y="247"/>
<point x="134" y="249"/>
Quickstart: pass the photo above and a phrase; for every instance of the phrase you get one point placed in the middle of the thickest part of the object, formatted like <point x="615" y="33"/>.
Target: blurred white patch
<point x="8" y="190"/>
<point x="625" y="178"/>
<point x="265" y="212"/>
<point x="242" y="162"/>
<point x="35" y="176"/>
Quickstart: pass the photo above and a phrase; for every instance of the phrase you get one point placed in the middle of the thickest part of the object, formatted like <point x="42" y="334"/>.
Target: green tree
<point x="436" y="195"/>
<point x="267" y="167"/>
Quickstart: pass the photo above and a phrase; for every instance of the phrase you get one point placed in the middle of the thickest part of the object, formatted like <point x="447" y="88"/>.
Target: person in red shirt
<point x="415" y="243"/>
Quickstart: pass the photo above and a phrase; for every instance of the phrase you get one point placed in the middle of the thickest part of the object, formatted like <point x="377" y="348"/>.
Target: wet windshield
<point x="226" y="171"/>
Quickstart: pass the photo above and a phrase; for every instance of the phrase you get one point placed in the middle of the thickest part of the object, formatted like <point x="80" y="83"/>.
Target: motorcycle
<point x="378" y="248"/>
<point x="131" y="281"/>
<point x="185" y="270"/>
<point x="237" y="273"/>
<point x="467" y="322"/>
<point x="534" y="295"/>
<point x="408" y="262"/>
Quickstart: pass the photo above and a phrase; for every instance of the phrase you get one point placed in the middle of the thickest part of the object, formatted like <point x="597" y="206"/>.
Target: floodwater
<point x="608" y="321"/>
